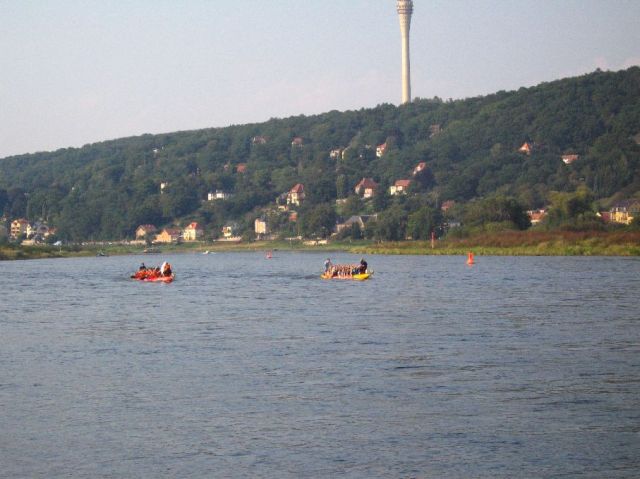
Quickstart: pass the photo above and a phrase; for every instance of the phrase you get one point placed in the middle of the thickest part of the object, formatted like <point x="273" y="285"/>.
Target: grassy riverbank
<point x="10" y="251"/>
<point x="519" y="243"/>
<point x="512" y="243"/>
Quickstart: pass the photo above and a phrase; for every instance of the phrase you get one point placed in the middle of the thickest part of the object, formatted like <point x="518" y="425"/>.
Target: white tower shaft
<point x="405" y="9"/>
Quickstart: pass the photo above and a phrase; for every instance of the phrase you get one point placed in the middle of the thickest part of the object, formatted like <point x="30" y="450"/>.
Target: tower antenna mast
<point x="405" y="9"/>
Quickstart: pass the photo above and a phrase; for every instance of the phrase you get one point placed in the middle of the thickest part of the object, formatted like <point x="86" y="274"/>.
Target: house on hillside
<point x="526" y="148"/>
<point x="169" y="235"/>
<point x="335" y="154"/>
<point x="400" y="187"/>
<point x="38" y="231"/>
<point x="625" y="211"/>
<point x="19" y="227"/>
<point x="241" y="168"/>
<point x="296" y="195"/>
<point x="360" y="220"/>
<point x="230" y="230"/>
<point x="297" y="142"/>
<point x="367" y="188"/>
<point x="447" y="205"/>
<point x="419" y="167"/>
<point x="381" y="149"/>
<point x="536" y="216"/>
<point x="568" y="159"/>
<point x="144" y="231"/>
<point x="259" y="140"/>
<point x="218" y="195"/>
<point x="193" y="232"/>
<point x="260" y="227"/>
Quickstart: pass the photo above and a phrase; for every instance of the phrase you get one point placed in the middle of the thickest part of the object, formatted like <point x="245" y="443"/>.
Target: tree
<point x="342" y="186"/>
<point x="4" y="200"/>
<point x="381" y="199"/>
<point x="318" y="220"/>
<point x="423" y="222"/>
<point x="572" y="210"/>
<point x="356" y="232"/>
<point x="423" y="181"/>
<point x="179" y="199"/>
<point x="319" y="189"/>
<point x="497" y="209"/>
<point x="391" y="224"/>
<point x="353" y="206"/>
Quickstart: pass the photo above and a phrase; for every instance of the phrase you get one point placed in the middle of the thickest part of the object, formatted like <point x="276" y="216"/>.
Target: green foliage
<point x="105" y="190"/>
<point x="318" y="220"/>
<point x="424" y="221"/>
<point x="352" y="206"/>
<point x="573" y="210"/>
<point x="497" y="210"/>
<point x="391" y="224"/>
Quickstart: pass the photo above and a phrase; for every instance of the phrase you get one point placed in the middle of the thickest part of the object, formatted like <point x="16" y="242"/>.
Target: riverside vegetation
<point x="514" y="243"/>
<point x="105" y="190"/>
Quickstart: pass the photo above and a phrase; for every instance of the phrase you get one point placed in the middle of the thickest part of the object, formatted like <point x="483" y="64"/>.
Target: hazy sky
<point x="80" y="71"/>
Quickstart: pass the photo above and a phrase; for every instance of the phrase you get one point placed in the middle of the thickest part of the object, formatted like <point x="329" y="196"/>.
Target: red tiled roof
<point x="537" y="215"/>
<point x="403" y="183"/>
<point x="367" y="183"/>
<point x="419" y="167"/>
<point x="298" y="188"/>
<point x="447" y="204"/>
<point x="525" y="147"/>
<point x="568" y="159"/>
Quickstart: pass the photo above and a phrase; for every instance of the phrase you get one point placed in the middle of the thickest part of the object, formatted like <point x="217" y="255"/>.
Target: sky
<point x="75" y="72"/>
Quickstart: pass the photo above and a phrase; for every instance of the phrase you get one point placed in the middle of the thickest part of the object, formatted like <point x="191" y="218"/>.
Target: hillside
<point x="105" y="190"/>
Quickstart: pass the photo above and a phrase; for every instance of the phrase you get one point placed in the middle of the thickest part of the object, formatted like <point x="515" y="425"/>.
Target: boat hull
<point x="157" y="279"/>
<point x="353" y="277"/>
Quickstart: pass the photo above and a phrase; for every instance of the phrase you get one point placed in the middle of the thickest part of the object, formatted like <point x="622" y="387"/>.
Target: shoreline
<point x="513" y="243"/>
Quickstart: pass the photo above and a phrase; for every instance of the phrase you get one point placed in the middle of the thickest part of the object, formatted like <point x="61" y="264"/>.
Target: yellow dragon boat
<point x="353" y="277"/>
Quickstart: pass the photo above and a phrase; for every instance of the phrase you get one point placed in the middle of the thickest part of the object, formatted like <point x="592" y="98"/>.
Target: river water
<point x="253" y="367"/>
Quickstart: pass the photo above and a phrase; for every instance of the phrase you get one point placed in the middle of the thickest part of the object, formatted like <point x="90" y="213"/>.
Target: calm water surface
<point x="248" y="367"/>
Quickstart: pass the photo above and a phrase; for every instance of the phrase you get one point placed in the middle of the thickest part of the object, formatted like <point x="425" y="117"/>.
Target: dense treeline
<point x="105" y="190"/>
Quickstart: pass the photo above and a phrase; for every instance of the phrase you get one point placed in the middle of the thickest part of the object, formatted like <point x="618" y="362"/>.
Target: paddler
<point x="363" y="266"/>
<point x="165" y="269"/>
<point x="327" y="265"/>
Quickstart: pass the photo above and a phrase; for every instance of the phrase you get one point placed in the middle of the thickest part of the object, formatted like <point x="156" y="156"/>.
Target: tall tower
<point x="405" y="9"/>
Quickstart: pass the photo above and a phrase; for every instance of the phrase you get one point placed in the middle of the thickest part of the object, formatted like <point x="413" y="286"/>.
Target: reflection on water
<point x="515" y="367"/>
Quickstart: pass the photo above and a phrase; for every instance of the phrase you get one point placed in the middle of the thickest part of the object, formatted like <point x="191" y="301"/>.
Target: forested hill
<point x="105" y="190"/>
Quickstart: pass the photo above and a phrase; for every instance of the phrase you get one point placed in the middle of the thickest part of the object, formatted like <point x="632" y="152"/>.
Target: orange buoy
<point x="470" y="258"/>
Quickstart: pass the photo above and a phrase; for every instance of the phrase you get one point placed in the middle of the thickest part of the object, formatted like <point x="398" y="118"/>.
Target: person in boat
<point x="327" y="265"/>
<point x="165" y="269"/>
<point x="142" y="272"/>
<point x="152" y="273"/>
<point x="363" y="266"/>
